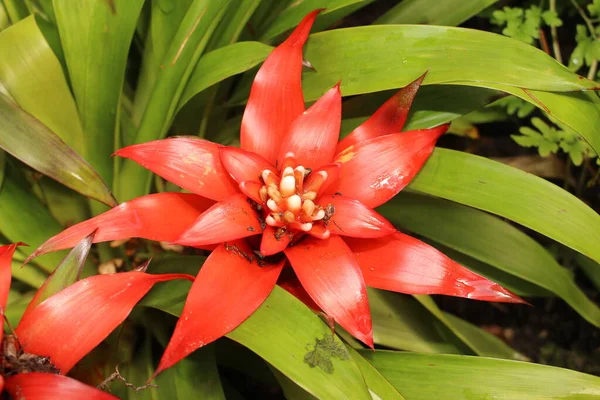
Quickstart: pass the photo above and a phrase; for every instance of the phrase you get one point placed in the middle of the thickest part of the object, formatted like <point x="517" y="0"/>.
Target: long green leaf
<point x="293" y="14"/>
<point x="187" y="45"/>
<point x="30" y="141"/>
<point x="223" y="63"/>
<point x="420" y="376"/>
<point x="379" y="386"/>
<point x="491" y="240"/>
<point x="28" y="274"/>
<point x="400" y="322"/>
<point x="96" y="36"/>
<point x="526" y="199"/>
<point x="23" y="217"/>
<point x="16" y="9"/>
<point x="433" y="12"/>
<point x="33" y="77"/>
<point x="326" y="371"/>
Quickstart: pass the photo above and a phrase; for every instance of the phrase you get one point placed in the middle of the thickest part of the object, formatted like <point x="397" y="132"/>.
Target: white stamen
<point x="271" y="221"/>
<point x="294" y="203"/>
<point x="306" y="227"/>
<point x="273" y="206"/>
<point x="288" y="171"/>
<point x="308" y="207"/>
<point x="319" y="215"/>
<point x="287" y="186"/>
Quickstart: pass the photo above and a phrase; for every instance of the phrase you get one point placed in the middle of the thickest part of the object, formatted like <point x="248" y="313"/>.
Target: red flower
<point x="58" y="332"/>
<point x="292" y="195"/>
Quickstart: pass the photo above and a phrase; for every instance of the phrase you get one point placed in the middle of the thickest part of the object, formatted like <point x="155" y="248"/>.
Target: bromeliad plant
<point x="292" y="207"/>
<point x="291" y="196"/>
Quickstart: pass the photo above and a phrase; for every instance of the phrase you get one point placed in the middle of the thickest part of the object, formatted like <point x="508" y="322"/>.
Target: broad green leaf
<point x="16" y="10"/>
<point x="179" y="61"/>
<point x="293" y="14"/>
<point x="195" y="376"/>
<point x="290" y="389"/>
<point x="96" y="36"/>
<point x="379" y="386"/>
<point x="401" y="323"/>
<point x="165" y="18"/>
<point x="511" y="193"/>
<point x="363" y="59"/>
<point x="580" y="111"/>
<point x="233" y="23"/>
<point x="2" y="166"/>
<point x="487" y="344"/>
<point x="223" y="63"/>
<point x="421" y="376"/>
<point x="311" y="356"/>
<point x="33" y="77"/>
<point x="433" y="12"/>
<point x="67" y="272"/>
<point x="590" y="268"/>
<point x="480" y="342"/>
<point x="489" y="239"/>
<point x="22" y="217"/>
<point x="64" y="204"/>
<point x="4" y="19"/>
<point x="27" y="139"/>
<point x="15" y="311"/>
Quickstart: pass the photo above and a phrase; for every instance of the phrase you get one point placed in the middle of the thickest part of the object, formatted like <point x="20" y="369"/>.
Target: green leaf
<point x="96" y="36"/>
<point x="233" y="23"/>
<point x="420" y="376"/>
<point x="28" y="274"/>
<point x="179" y="61"/>
<point x="16" y="9"/>
<point x="67" y="272"/>
<point x="433" y="12"/>
<point x="4" y="19"/>
<point x="272" y="333"/>
<point x="222" y="63"/>
<point x="379" y="387"/>
<point x="590" y="268"/>
<point x="491" y="240"/>
<point x="30" y="141"/>
<point x="401" y="323"/>
<point x="293" y="14"/>
<point x="33" y="77"/>
<point x="22" y="217"/>
<point x="362" y="59"/>
<point x="290" y="389"/>
<point x="524" y="198"/>
<point x="479" y="341"/>
<point x="195" y="376"/>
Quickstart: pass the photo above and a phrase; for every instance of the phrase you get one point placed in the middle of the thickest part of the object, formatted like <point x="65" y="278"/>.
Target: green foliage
<point x="587" y="50"/>
<point x="524" y="24"/>
<point x="550" y="139"/>
<point x="515" y="105"/>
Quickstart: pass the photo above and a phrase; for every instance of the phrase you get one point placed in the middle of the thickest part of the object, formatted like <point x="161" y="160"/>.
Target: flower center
<point x="14" y="360"/>
<point x="291" y="199"/>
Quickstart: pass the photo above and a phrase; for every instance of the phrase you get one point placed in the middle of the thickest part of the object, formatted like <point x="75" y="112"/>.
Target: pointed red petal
<point x="314" y="134"/>
<point x="375" y="170"/>
<point x="68" y="325"/>
<point x="160" y="217"/>
<point x="354" y="219"/>
<point x="276" y="98"/>
<point x="42" y="386"/>
<point x="331" y="275"/>
<point x="251" y="189"/>
<point x="271" y="243"/>
<point x="6" y="255"/>
<point x="401" y="263"/>
<point x="193" y="164"/>
<point x="230" y="219"/>
<point x="389" y="118"/>
<point x="230" y="286"/>
<point x="332" y="170"/>
<point x="289" y="281"/>
<point x="244" y="165"/>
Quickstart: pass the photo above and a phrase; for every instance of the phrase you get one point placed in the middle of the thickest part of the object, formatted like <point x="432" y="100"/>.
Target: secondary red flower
<point x="54" y="335"/>
<point x="291" y="196"/>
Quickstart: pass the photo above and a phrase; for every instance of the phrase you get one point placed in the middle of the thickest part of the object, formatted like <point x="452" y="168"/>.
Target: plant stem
<point x="582" y="178"/>
<point x="553" y="32"/>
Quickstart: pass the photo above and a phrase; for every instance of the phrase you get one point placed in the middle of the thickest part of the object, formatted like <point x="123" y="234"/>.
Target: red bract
<point x="61" y="330"/>
<point x="294" y="196"/>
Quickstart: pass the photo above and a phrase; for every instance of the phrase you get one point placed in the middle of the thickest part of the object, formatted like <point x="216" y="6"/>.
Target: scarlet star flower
<point x="291" y="196"/>
<point x="54" y="334"/>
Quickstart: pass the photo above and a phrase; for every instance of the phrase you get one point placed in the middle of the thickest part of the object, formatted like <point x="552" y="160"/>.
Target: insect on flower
<point x="291" y="196"/>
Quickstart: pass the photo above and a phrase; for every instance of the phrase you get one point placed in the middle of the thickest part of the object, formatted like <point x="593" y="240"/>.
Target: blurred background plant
<point x="80" y="80"/>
